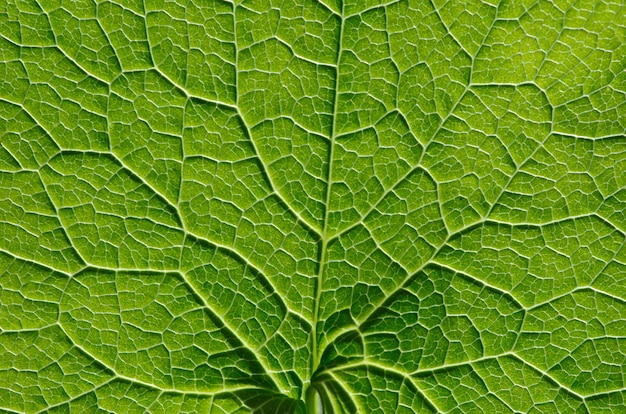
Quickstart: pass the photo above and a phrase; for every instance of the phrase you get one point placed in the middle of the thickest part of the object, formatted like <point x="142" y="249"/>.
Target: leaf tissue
<point x="312" y="206"/>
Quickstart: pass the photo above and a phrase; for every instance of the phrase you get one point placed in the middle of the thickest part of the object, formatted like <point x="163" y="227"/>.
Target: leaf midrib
<point x="315" y="353"/>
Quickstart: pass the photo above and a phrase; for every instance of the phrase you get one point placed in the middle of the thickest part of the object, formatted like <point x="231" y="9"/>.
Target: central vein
<point x="315" y="352"/>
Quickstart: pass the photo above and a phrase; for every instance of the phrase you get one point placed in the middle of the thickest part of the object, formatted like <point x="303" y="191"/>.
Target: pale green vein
<point x="248" y="133"/>
<point x="502" y="292"/>
<point x="315" y="354"/>
<point x="548" y="376"/>
<point x="371" y="364"/>
<point x="77" y="396"/>
<point x="147" y="384"/>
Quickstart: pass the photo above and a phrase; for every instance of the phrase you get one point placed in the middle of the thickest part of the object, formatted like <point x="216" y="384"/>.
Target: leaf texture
<point x="313" y="206"/>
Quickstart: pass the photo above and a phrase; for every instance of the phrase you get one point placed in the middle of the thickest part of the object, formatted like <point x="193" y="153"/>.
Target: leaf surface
<point x="306" y="206"/>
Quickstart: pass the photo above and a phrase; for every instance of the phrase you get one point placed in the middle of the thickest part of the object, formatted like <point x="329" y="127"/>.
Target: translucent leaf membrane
<point x="312" y="206"/>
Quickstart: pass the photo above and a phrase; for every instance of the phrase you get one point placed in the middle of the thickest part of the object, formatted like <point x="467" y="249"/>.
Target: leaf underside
<point x="312" y="206"/>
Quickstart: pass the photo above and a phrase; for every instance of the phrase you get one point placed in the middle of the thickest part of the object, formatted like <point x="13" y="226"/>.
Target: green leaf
<point x="312" y="206"/>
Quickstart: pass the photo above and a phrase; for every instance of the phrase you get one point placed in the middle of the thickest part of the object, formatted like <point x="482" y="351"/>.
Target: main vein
<point x="325" y="239"/>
